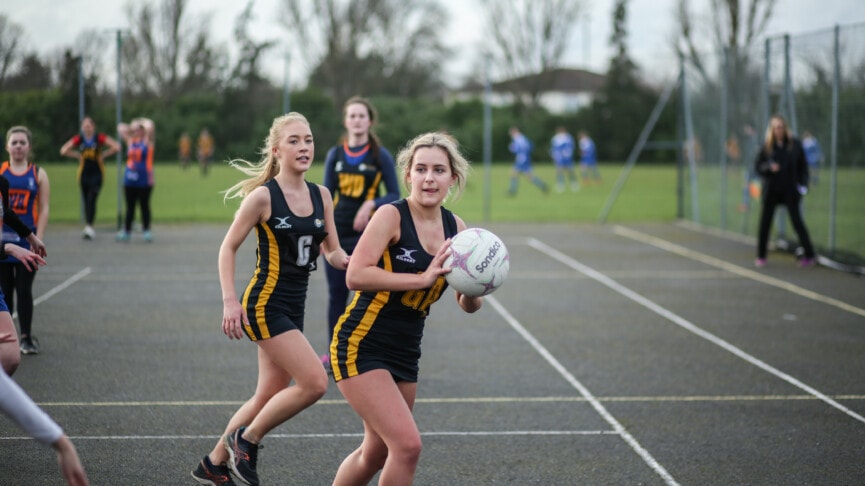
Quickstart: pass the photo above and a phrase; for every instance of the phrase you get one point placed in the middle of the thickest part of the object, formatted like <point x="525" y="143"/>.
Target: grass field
<point x="186" y="196"/>
<point x="649" y="194"/>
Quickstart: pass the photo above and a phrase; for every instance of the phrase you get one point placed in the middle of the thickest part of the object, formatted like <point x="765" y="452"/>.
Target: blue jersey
<point x="813" y="154"/>
<point x="588" y="154"/>
<point x="23" y="200"/>
<point x="139" y="165"/>
<point x="562" y="149"/>
<point x="354" y="175"/>
<point x="521" y="147"/>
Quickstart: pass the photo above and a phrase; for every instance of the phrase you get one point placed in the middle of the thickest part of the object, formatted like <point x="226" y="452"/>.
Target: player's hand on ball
<point x="436" y="267"/>
<point x="467" y="303"/>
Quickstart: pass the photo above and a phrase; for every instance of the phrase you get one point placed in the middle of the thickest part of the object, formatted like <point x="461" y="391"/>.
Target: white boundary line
<point x="524" y="433"/>
<point x="602" y="411"/>
<point x="475" y="400"/>
<point x="52" y="292"/>
<point x="736" y="269"/>
<point x="685" y="324"/>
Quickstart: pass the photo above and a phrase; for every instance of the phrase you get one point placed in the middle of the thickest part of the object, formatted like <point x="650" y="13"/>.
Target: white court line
<point x="736" y="269"/>
<point x="69" y="281"/>
<point x="617" y="427"/>
<point x="522" y="433"/>
<point x="685" y="324"/>
<point x="471" y="400"/>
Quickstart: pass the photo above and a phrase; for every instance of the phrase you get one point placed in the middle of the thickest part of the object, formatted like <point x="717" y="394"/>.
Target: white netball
<point x="479" y="262"/>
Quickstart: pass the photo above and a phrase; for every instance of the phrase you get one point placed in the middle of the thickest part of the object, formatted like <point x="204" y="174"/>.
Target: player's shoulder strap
<point x="315" y="195"/>
<point x="450" y="222"/>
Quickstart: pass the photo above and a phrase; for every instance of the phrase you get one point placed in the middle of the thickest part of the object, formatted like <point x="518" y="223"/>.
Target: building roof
<point x="565" y="80"/>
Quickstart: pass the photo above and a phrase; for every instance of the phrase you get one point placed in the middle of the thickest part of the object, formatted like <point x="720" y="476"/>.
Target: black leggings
<point x="337" y="296"/>
<point x="16" y="279"/>
<point x="89" y="194"/>
<point x="134" y="196"/>
<point x="770" y="202"/>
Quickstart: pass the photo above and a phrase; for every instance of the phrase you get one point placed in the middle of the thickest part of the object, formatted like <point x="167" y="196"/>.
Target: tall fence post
<point x="81" y="116"/>
<point x="690" y="144"/>
<point x="488" y="140"/>
<point x="680" y="142"/>
<point x="286" y="84"/>
<point x="723" y="134"/>
<point x="119" y="113"/>
<point x="789" y="96"/>
<point x="833" y="149"/>
<point x="767" y="83"/>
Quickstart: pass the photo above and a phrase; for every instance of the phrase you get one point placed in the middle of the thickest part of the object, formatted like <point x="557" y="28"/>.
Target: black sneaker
<point x="207" y="473"/>
<point x="29" y="345"/>
<point x="244" y="456"/>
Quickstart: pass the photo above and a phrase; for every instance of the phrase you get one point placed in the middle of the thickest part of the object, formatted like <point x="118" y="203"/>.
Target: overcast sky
<point x="50" y="27"/>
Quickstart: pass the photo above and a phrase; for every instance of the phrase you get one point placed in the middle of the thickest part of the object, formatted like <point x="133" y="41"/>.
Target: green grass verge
<point x="649" y="194"/>
<point x="183" y="196"/>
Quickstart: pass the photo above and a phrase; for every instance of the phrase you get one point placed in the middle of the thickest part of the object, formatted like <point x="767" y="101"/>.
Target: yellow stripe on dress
<point x="362" y="328"/>
<point x="269" y="282"/>
<point x="334" y="340"/>
<point x="370" y="194"/>
<point x="244" y="302"/>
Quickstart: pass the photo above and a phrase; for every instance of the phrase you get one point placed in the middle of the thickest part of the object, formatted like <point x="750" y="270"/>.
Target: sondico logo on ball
<point x="494" y="250"/>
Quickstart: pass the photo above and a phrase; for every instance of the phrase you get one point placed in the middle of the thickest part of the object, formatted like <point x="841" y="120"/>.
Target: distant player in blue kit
<point x="293" y="221"/>
<point x="397" y="272"/>
<point x="813" y="155"/>
<point x="521" y="147"/>
<point x="562" y="150"/>
<point x="588" y="158"/>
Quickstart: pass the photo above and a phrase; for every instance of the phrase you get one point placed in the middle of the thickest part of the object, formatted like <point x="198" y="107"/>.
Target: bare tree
<point x="529" y="38"/>
<point x="166" y="47"/>
<point x="90" y="46"/>
<point x="732" y="28"/>
<point x="728" y="32"/>
<point x="246" y="69"/>
<point x="369" y="46"/>
<point x="10" y="35"/>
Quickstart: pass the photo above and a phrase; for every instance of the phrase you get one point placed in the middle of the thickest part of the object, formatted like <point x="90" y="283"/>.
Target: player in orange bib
<point x="29" y="193"/>
<point x="205" y="150"/>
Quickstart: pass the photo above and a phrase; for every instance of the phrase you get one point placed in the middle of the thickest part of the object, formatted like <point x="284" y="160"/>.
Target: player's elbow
<point x="352" y="282"/>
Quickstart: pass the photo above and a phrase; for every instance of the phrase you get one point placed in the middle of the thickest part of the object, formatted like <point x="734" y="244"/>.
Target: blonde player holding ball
<point x="398" y="273"/>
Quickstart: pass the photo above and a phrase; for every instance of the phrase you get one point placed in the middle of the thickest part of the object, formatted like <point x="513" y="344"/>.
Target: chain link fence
<point x="816" y="81"/>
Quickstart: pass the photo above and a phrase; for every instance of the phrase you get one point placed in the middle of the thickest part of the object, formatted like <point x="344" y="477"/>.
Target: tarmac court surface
<point x="614" y="354"/>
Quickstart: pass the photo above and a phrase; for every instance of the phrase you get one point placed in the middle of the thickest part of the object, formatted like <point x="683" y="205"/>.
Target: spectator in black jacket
<point x="782" y="165"/>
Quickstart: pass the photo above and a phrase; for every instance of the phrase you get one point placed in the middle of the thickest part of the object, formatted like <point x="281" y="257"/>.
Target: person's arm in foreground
<point x="19" y="407"/>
